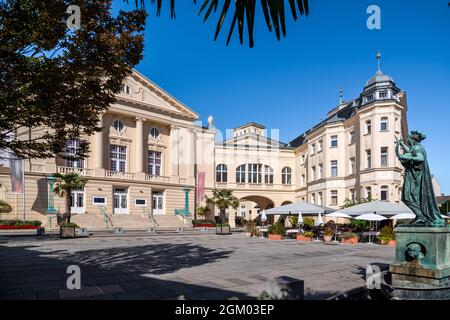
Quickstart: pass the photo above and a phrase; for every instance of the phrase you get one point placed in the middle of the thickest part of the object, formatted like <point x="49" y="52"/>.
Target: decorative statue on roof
<point x="418" y="192"/>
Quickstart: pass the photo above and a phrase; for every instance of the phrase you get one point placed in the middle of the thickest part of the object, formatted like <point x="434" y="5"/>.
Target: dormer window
<point x="370" y="98"/>
<point x="383" y="95"/>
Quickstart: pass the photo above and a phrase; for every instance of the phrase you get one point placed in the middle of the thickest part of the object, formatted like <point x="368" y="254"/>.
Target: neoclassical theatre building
<point x="152" y="150"/>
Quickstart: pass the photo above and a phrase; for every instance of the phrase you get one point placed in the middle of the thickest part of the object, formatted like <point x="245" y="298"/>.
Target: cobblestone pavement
<point x="204" y="266"/>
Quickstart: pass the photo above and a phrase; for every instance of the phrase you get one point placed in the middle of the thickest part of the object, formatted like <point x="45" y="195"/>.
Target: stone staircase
<point x="96" y="222"/>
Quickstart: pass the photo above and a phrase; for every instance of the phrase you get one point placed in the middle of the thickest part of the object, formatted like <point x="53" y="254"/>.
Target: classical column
<point x="99" y="148"/>
<point x="139" y="145"/>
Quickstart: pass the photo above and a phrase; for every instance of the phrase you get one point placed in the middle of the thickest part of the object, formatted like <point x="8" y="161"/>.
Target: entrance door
<point x="158" y="203"/>
<point x="120" y="201"/>
<point x="77" y="201"/>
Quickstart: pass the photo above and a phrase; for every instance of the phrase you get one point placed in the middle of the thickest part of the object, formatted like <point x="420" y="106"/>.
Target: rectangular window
<point x="334" y="168"/>
<point x="313" y="198"/>
<point x="383" y="94"/>
<point x="303" y="180"/>
<point x="384" y="193"/>
<point x="140" y="202"/>
<point x="154" y="163"/>
<point x="73" y="148"/>
<point x="313" y="174"/>
<point x="368" y="159"/>
<point x="254" y="173"/>
<point x="368" y="127"/>
<point x="320" y="146"/>
<point x="352" y="137"/>
<point x="384" y="126"/>
<point x="320" y="172"/>
<point x="240" y="174"/>
<point x="118" y="156"/>
<point x="352" y="165"/>
<point x="334" y="141"/>
<point x="368" y="192"/>
<point x="313" y="148"/>
<point x="384" y="157"/>
<point x="334" y="197"/>
<point x="99" y="201"/>
<point x="319" y="202"/>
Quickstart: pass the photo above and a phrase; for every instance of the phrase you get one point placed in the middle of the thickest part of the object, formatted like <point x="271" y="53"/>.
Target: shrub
<point x="349" y="235"/>
<point x="387" y="233"/>
<point x="69" y="225"/>
<point x="19" y="223"/>
<point x="294" y="221"/>
<point x="308" y="234"/>
<point x="328" y="232"/>
<point x="250" y="227"/>
<point x="277" y="228"/>
<point x="308" y="223"/>
<point x="358" y="225"/>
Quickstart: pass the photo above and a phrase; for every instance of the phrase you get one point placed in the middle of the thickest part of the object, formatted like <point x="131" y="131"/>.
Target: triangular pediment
<point x="142" y="91"/>
<point x="254" y="140"/>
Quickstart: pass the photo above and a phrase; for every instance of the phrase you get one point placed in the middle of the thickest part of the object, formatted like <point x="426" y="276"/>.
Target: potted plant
<point x="276" y="231"/>
<point x="67" y="230"/>
<point x="349" y="237"/>
<point x="387" y="236"/>
<point x="250" y="229"/>
<point x="222" y="199"/>
<point x="328" y="235"/>
<point x="306" y="236"/>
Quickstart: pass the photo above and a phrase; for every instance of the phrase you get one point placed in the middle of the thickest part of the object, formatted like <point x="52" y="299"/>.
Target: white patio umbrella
<point x="337" y="215"/>
<point x="264" y="216"/>
<point x="319" y="222"/>
<point x="383" y="208"/>
<point x="300" y="219"/>
<point x="403" y="216"/>
<point x="370" y="217"/>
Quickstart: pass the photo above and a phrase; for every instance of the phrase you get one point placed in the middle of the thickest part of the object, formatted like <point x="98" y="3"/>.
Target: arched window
<point x="384" y="193"/>
<point x="268" y="175"/>
<point x="118" y="126"/>
<point x="221" y="173"/>
<point x="286" y="175"/>
<point x="240" y="174"/>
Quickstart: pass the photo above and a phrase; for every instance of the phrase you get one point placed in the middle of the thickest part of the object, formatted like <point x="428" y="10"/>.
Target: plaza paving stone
<point x="204" y="266"/>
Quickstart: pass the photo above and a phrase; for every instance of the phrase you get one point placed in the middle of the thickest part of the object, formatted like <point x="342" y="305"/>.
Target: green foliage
<point x="60" y="79"/>
<point x="308" y="234"/>
<point x="203" y="211"/>
<point x="348" y="235"/>
<point x="64" y="184"/>
<point x="69" y="225"/>
<point x="387" y="233"/>
<point x="308" y="223"/>
<point x="264" y="296"/>
<point x="5" y="207"/>
<point x="351" y="203"/>
<point x="19" y="223"/>
<point x="277" y="228"/>
<point x="294" y="221"/>
<point x="358" y="225"/>
<point x="222" y="199"/>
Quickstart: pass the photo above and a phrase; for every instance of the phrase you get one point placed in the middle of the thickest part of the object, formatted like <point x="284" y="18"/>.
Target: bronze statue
<point x="418" y="193"/>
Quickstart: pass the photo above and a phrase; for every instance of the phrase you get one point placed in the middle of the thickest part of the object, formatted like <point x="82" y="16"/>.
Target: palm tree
<point x="244" y="14"/>
<point x="223" y="199"/>
<point x="64" y="184"/>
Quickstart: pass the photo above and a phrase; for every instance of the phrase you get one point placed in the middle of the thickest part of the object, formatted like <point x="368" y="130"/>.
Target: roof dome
<point x="379" y="77"/>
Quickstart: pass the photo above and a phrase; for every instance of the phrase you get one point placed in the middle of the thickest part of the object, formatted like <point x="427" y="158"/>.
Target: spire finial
<point x="341" y="96"/>
<point x="379" y="58"/>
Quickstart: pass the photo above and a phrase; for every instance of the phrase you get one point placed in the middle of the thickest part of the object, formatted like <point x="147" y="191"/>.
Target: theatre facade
<point x="152" y="156"/>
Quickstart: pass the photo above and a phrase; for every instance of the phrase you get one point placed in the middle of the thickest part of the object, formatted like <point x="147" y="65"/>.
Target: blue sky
<point x="290" y="85"/>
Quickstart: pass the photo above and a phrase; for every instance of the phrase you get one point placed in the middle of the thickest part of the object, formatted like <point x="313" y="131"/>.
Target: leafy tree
<point x="55" y="80"/>
<point x="64" y="184"/>
<point x="222" y="199"/>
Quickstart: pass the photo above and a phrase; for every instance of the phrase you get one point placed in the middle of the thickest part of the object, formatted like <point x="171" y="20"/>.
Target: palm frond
<point x="244" y="13"/>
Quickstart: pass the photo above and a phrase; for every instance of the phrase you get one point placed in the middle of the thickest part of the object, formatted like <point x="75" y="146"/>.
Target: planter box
<point x="224" y="230"/>
<point x="351" y="241"/>
<point x="248" y="234"/>
<point x="301" y="237"/>
<point x="275" y="237"/>
<point x="67" y="232"/>
<point x="327" y="238"/>
<point x="392" y="243"/>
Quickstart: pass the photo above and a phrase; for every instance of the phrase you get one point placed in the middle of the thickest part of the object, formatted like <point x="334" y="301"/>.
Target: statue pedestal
<point x="422" y="263"/>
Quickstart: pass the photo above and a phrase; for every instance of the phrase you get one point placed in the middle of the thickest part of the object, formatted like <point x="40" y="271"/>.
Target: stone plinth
<point x="422" y="263"/>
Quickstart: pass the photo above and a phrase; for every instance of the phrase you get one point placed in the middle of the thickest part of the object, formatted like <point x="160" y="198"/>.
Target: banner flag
<point x="16" y="166"/>
<point x="200" y="185"/>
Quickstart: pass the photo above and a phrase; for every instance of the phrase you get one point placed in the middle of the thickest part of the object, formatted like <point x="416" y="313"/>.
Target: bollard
<point x="118" y="230"/>
<point x="81" y="232"/>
